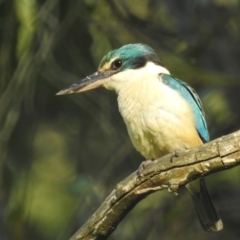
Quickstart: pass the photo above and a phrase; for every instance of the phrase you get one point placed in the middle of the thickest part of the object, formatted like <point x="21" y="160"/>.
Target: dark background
<point x="60" y="156"/>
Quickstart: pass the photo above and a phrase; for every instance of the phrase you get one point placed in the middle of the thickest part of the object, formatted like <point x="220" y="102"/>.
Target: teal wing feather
<point x="191" y="96"/>
<point x="207" y="214"/>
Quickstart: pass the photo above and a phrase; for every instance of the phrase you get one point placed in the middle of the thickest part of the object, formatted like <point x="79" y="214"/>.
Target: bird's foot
<point x="176" y="152"/>
<point x="142" y="167"/>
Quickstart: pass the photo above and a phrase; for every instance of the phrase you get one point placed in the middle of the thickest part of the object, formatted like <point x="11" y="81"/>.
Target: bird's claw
<point x="142" y="167"/>
<point x="176" y="153"/>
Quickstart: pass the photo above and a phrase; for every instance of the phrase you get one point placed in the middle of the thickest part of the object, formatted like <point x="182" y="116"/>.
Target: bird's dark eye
<point x="116" y="64"/>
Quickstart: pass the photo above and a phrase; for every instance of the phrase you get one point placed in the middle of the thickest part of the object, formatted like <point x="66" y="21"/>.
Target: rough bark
<point x="163" y="173"/>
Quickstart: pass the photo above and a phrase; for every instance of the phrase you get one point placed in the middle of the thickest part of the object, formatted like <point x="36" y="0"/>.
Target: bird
<point x="162" y="113"/>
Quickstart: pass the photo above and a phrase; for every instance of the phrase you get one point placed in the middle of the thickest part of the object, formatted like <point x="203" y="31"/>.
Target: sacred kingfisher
<point x="162" y="114"/>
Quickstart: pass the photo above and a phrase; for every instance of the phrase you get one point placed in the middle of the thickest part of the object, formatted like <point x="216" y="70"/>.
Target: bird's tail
<point x="207" y="214"/>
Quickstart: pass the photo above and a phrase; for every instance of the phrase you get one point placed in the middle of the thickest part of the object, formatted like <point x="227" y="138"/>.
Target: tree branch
<point x="163" y="173"/>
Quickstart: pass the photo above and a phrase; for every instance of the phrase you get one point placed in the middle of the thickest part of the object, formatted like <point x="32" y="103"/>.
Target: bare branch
<point x="220" y="154"/>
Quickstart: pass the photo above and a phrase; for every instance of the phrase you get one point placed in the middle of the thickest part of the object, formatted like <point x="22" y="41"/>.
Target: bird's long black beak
<point x="92" y="81"/>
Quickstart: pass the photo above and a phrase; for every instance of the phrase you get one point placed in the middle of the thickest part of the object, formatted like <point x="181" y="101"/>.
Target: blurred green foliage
<point x="61" y="156"/>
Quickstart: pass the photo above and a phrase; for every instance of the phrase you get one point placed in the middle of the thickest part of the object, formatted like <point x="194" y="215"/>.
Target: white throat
<point x="133" y="76"/>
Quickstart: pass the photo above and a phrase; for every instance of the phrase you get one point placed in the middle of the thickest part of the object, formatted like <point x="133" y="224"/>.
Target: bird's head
<point x="118" y="67"/>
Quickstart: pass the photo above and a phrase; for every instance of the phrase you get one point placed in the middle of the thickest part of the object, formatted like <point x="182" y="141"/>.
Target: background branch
<point x="163" y="173"/>
<point x="48" y="186"/>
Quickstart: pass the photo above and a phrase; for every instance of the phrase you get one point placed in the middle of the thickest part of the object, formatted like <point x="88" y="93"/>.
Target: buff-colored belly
<point x="159" y="123"/>
<point x="153" y="143"/>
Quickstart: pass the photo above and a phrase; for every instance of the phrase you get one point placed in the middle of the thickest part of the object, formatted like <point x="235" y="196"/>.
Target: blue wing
<point x="191" y="96"/>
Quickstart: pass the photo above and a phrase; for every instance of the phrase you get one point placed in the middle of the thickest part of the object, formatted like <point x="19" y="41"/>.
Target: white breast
<point x="158" y="119"/>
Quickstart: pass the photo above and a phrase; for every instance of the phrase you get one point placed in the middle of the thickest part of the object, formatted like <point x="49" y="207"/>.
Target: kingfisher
<point x="162" y="113"/>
